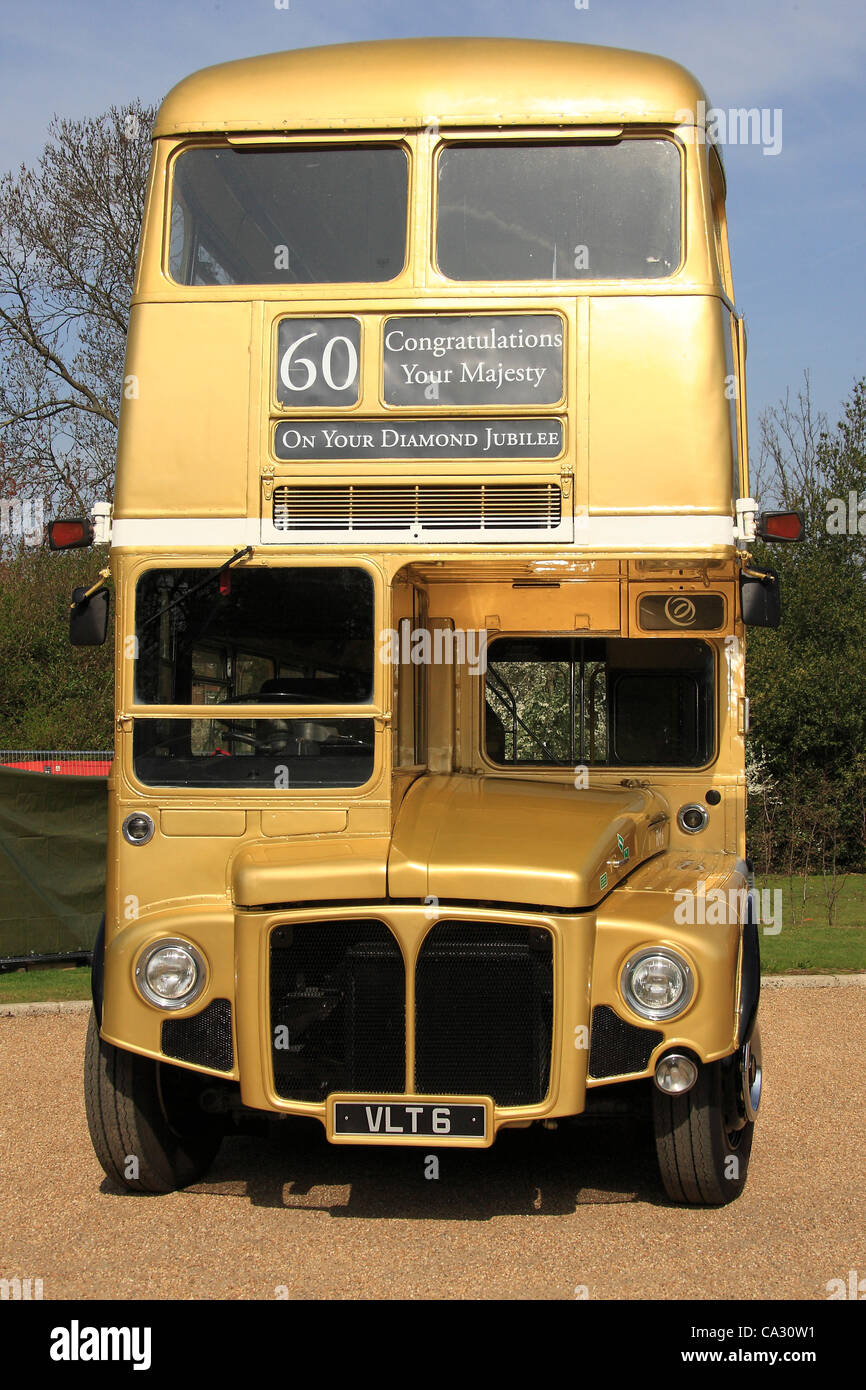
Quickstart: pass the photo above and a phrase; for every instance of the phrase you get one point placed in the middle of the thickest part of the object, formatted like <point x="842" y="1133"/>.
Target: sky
<point x="796" y="217"/>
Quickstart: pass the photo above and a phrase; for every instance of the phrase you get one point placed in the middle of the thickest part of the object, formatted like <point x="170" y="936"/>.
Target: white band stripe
<point x="595" y="532"/>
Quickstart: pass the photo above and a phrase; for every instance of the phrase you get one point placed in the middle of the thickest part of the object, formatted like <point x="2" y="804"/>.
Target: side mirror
<point x="72" y="533"/>
<point x="88" y="621"/>
<point x="760" y="599"/>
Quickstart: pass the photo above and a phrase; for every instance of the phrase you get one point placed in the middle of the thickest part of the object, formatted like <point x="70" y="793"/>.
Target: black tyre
<point x="704" y="1138"/>
<point x="146" y="1124"/>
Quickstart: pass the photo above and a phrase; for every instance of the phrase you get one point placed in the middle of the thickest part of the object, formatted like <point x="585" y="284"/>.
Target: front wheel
<point x="146" y="1124"/>
<point x="704" y="1138"/>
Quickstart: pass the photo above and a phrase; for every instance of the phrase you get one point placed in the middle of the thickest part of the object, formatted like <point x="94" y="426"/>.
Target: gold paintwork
<point x="574" y="840"/>
<point x="311" y="869"/>
<point x="413" y="82"/>
<point x="650" y="434"/>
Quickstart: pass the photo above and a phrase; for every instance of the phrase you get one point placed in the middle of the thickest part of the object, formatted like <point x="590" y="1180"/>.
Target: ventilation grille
<point x="338" y="1017"/>
<point x="419" y="507"/>
<point x="484" y="1024"/>
<point x="618" y="1048"/>
<point x="484" y="1020"/>
<point x="203" y="1041"/>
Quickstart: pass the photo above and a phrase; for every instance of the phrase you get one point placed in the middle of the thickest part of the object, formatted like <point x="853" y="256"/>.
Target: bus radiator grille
<point x="616" y="1047"/>
<point x="338" y="1010"/>
<point x="484" y="1012"/>
<point x="203" y="1041"/>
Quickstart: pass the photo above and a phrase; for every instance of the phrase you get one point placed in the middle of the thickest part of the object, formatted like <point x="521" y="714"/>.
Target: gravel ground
<point x="536" y="1216"/>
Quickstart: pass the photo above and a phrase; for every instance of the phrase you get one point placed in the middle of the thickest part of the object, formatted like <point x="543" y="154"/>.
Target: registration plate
<point x="402" y="1121"/>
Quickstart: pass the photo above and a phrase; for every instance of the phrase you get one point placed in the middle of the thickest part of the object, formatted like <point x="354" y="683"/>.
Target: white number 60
<point x="310" y="367"/>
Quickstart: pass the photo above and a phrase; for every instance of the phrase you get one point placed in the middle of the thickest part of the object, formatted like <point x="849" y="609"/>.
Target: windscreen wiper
<point x="182" y="598"/>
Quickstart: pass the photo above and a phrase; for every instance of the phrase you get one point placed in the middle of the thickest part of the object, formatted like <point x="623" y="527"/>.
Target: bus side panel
<point x="660" y="424"/>
<point x="184" y="427"/>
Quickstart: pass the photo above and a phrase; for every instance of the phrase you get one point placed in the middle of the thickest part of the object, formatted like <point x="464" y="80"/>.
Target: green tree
<point x="52" y="695"/>
<point x="807" y="681"/>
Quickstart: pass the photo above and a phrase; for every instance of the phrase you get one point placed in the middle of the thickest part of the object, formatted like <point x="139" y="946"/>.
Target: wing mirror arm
<point x="754" y="525"/>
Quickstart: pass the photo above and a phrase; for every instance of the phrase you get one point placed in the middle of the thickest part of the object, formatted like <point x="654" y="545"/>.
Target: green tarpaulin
<point x="52" y="862"/>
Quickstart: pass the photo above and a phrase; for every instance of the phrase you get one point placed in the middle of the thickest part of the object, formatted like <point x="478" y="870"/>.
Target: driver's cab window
<point x="546" y="701"/>
<point x="616" y="702"/>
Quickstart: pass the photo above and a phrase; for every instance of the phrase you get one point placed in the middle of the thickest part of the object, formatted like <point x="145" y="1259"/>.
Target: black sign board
<point x="665" y="612"/>
<point x="318" y="361"/>
<point x="473" y="359"/>
<point x="532" y="438"/>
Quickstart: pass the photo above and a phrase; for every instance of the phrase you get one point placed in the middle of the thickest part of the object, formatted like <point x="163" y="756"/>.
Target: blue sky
<point x="797" y="220"/>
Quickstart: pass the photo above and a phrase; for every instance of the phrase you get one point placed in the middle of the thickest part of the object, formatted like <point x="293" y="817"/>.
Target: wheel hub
<point x="750" y="1077"/>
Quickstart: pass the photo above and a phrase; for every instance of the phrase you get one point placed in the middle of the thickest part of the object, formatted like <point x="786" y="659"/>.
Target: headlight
<point x="170" y="974"/>
<point x="657" y="984"/>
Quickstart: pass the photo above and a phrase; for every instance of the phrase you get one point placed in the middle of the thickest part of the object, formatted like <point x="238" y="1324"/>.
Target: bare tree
<point x="791" y="455"/>
<point x="68" y="242"/>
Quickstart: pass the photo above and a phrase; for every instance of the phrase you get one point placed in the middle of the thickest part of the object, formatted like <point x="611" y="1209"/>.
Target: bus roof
<point x="408" y="83"/>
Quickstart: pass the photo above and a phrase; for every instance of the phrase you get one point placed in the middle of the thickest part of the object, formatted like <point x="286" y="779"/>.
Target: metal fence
<point x="76" y="762"/>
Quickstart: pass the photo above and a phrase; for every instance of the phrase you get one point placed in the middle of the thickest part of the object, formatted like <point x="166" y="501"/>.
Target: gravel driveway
<point x="539" y="1215"/>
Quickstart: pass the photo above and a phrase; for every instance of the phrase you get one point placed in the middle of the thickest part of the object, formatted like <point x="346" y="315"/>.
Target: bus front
<point x="430" y="701"/>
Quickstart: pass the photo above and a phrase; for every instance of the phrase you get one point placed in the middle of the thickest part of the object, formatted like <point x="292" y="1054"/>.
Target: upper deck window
<point x="559" y="211"/>
<point x="289" y="216"/>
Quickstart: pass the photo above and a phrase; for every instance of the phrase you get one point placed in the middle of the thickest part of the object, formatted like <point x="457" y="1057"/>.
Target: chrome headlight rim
<point x="643" y="1011"/>
<point x="144" y="839"/>
<point x="702" y="812"/>
<point x="140" y="973"/>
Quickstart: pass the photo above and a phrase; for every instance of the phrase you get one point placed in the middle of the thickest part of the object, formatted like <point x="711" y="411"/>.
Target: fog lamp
<point x="170" y="974"/>
<point x="657" y="984"/>
<point x="675" y="1074"/>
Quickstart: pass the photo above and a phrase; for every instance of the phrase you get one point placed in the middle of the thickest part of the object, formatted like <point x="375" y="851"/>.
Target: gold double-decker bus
<point x="429" y="547"/>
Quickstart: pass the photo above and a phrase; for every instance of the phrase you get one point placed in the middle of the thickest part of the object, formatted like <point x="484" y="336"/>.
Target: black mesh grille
<point x="484" y="1001"/>
<point x="203" y="1041"/>
<point x="616" y="1047"/>
<point x="338" y="1009"/>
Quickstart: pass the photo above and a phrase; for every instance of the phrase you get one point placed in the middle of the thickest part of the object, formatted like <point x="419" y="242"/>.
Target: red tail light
<point x="780" y="526"/>
<point x="70" y="534"/>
